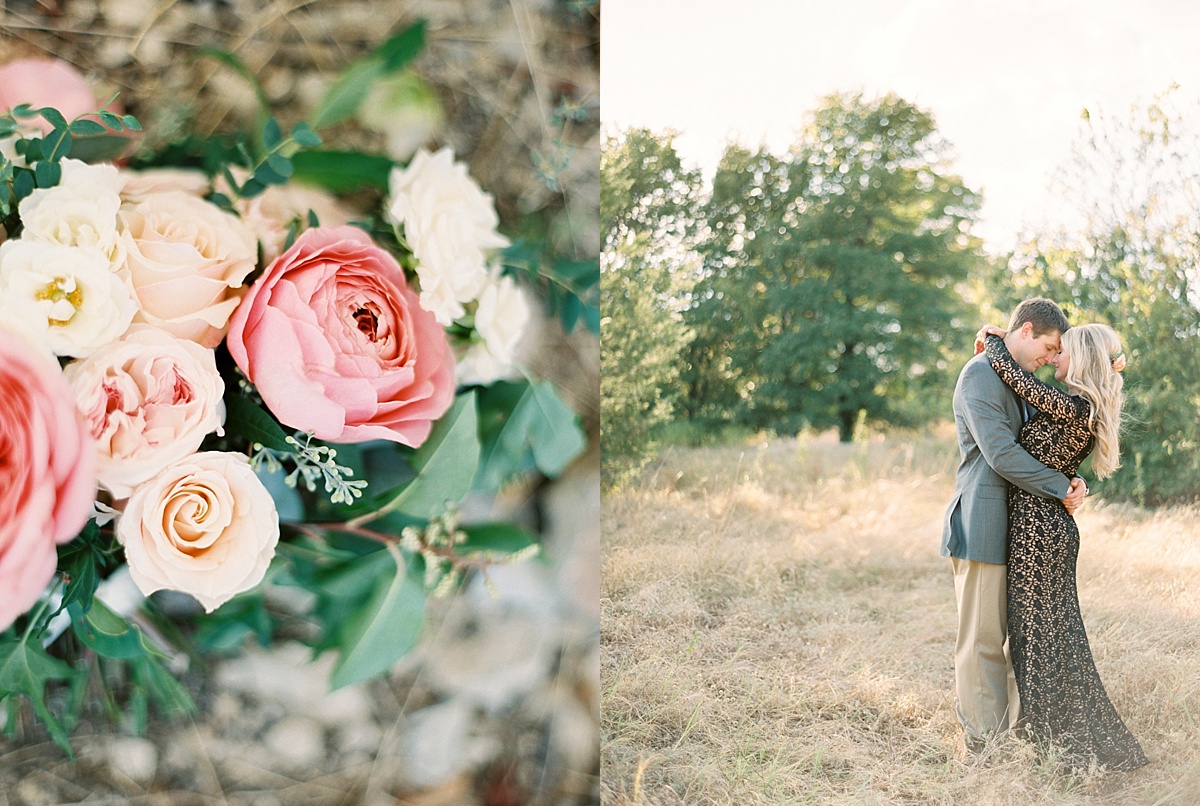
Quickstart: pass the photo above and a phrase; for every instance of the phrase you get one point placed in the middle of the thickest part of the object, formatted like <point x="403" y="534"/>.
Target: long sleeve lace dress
<point x="1062" y="699"/>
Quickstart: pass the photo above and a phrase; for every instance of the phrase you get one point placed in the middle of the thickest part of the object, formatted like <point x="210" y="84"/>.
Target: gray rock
<point x="298" y="741"/>
<point x="134" y="757"/>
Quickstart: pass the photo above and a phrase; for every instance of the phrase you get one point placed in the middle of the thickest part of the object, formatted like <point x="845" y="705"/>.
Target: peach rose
<point x="149" y="399"/>
<point x="47" y="472"/>
<point x="205" y="526"/>
<point x="186" y="259"/>
<point x="339" y="345"/>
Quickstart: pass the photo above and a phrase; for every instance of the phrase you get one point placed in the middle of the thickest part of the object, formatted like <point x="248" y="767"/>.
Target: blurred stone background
<point x="500" y="703"/>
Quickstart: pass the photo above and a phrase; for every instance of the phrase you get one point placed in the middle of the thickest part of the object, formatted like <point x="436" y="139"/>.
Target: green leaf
<point x="347" y="93"/>
<point x="537" y="426"/>
<point x="57" y="144"/>
<point x="23" y="184"/>
<point x="246" y="418"/>
<point x="342" y="171"/>
<point x="272" y="135"/>
<point x="47" y="174"/>
<point x="111" y="120"/>
<point x="131" y="122"/>
<point x="26" y="669"/>
<point x="382" y="632"/>
<point x="106" y="632"/>
<point x="100" y="147"/>
<point x="555" y="435"/>
<point x="402" y="48"/>
<point x="445" y="464"/>
<point x="305" y="136"/>
<point x="80" y="560"/>
<point x="280" y="165"/>
<point x="53" y="117"/>
<point x="354" y="84"/>
<point x="87" y="127"/>
<point x="502" y="538"/>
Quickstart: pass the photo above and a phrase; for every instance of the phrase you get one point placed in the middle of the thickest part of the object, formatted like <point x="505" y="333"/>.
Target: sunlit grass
<point x="778" y="627"/>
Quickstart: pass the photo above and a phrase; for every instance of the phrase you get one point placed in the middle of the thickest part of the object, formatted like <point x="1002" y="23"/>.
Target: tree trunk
<point x="846" y="427"/>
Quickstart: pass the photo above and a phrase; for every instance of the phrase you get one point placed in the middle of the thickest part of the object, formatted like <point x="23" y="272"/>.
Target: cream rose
<point x="137" y="186"/>
<point x="205" y="526"/>
<point x="500" y="320"/>
<point x="149" y="400"/>
<point x="186" y="259"/>
<point x="450" y="223"/>
<point x="270" y="214"/>
<point x="81" y="210"/>
<point x="64" y="296"/>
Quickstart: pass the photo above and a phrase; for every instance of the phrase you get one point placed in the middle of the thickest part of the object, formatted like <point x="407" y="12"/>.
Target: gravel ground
<point x="500" y="704"/>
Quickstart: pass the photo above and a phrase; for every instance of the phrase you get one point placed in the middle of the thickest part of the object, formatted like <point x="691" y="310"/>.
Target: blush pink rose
<point x="47" y="472"/>
<point x="45" y="82"/>
<point x="339" y="345"/>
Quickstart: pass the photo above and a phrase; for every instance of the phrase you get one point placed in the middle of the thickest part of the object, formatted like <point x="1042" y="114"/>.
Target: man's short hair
<point x="1043" y="313"/>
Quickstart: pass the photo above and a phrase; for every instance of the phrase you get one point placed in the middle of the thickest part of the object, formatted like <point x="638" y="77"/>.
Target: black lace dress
<point x="1062" y="699"/>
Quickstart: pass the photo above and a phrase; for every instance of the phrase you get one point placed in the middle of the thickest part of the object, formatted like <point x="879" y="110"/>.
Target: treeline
<point x="838" y="285"/>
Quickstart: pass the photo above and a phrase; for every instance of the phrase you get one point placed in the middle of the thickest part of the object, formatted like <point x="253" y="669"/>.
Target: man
<point x="988" y="416"/>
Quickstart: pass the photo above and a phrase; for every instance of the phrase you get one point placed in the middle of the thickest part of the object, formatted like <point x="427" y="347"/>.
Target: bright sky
<point x="1005" y="80"/>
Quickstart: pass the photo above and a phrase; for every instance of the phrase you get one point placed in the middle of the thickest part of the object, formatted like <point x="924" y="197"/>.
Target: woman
<point x="1062" y="699"/>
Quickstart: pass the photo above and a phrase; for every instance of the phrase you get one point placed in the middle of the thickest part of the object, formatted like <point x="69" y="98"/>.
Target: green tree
<point x="839" y="267"/>
<point x="647" y="210"/>
<point x="1135" y="265"/>
<point x="727" y="301"/>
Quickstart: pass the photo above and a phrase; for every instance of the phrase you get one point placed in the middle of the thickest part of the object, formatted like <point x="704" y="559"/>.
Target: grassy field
<point x="777" y="627"/>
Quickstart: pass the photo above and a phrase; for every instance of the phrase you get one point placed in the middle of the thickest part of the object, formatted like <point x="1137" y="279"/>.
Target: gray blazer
<point x="987" y="416"/>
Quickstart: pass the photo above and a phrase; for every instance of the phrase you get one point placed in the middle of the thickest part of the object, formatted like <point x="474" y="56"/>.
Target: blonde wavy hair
<point x="1092" y="349"/>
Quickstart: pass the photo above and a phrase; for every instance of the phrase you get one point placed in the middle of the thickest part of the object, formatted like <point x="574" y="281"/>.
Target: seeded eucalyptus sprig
<point x="310" y="463"/>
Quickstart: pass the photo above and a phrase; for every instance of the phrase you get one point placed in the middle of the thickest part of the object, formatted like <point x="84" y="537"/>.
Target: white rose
<point x="149" y="400"/>
<point x="205" y="526"/>
<point x="65" y="296"/>
<point x="500" y="321"/>
<point x="449" y="223"/>
<point x="186" y="259"/>
<point x="136" y="186"/>
<point x="81" y="210"/>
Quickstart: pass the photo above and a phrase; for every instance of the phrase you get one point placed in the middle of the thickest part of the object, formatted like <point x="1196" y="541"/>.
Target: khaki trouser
<point x="987" y="691"/>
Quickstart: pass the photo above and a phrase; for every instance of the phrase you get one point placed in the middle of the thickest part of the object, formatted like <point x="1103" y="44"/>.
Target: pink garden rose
<point x="149" y="399"/>
<point x="47" y="472"/>
<point x="45" y="82"/>
<point x="339" y="345"/>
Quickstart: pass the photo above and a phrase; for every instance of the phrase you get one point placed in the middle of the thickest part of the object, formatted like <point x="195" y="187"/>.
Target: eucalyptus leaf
<point x="537" y="429"/>
<point x="100" y="147"/>
<point x="503" y="538"/>
<point x="53" y="117"/>
<point x="86" y="127"/>
<point x="57" y="144"/>
<point x="445" y="464"/>
<point x="246" y="418"/>
<point x="47" y="174"/>
<point x="384" y="631"/>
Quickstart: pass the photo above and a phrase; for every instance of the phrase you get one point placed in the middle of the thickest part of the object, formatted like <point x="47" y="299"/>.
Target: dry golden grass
<point x="777" y="627"/>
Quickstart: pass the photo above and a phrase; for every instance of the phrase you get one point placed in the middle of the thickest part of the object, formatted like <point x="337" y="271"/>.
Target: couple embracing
<point x="1022" y="659"/>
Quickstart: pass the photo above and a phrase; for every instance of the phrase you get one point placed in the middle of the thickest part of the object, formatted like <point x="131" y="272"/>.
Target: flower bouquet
<point x="243" y="363"/>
